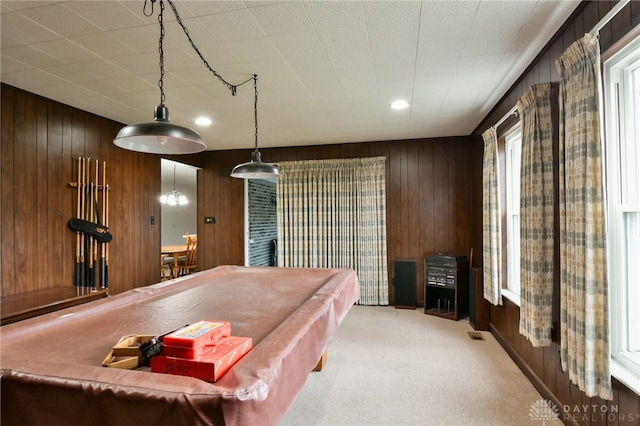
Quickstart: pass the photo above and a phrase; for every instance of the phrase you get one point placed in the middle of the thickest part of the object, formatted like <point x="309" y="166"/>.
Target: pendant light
<point x="173" y="197"/>
<point x="160" y="136"/>
<point x="255" y="169"/>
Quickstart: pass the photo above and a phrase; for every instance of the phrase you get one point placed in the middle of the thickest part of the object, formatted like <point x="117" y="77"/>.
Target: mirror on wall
<point x="179" y="181"/>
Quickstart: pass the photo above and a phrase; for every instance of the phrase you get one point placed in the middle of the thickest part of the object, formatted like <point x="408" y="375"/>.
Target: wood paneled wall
<point x="542" y="365"/>
<point x="41" y="142"/>
<point x="428" y="197"/>
<point x="429" y="183"/>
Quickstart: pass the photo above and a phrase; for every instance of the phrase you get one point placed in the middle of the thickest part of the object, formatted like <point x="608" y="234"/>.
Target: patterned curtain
<point x="536" y="215"/>
<point x="491" y="225"/>
<point x="332" y="214"/>
<point x="583" y="263"/>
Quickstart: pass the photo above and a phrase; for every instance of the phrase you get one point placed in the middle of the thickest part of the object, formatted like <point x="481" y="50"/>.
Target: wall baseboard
<point x="531" y="375"/>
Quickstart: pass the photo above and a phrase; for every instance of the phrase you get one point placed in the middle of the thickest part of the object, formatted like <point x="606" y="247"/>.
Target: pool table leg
<point x="322" y="361"/>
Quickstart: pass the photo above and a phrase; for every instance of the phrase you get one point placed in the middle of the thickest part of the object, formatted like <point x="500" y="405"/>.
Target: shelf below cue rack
<point x="21" y="306"/>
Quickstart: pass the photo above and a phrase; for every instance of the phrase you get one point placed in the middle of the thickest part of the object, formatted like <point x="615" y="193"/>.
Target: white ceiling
<point x="327" y="70"/>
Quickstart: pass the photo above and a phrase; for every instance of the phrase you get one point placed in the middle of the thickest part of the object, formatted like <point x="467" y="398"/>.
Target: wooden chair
<point x="188" y="262"/>
<point x="166" y="267"/>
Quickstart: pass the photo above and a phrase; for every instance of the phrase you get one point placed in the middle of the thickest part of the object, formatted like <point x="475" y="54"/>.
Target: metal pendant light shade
<point x="255" y="169"/>
<point x="159" y="136"/>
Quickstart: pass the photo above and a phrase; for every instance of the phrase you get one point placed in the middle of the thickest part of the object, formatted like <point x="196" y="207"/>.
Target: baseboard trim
<point x="531" y="375"/>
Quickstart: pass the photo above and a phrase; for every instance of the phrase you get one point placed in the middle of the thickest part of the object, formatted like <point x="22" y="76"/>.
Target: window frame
<point x="511" y="287"/>
<point x="618" y="124"/>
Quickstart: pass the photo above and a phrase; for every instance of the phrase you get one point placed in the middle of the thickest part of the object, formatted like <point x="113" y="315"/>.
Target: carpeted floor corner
<point x="401" y="367"/>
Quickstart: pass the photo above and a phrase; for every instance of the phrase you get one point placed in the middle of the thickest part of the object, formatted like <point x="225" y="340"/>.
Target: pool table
<point x="51" y="372"/>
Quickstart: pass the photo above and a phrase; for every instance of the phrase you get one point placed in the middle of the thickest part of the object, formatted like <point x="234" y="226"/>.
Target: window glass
<point x="513" y="150"/>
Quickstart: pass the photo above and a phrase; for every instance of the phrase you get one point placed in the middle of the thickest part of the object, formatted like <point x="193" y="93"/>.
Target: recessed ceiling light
<point x="399" y="104"/>
<point x="203" y="121"/>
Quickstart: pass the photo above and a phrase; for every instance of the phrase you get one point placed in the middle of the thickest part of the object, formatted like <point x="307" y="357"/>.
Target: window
<point x="622" y="149"/>
<point x="513" y="150"/>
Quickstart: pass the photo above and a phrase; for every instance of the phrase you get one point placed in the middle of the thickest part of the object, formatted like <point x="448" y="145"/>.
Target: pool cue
<point x="81" y="188"/>
<point x="78" y="279"/>
<point x="91" y="273"/>
<point x="95" y="219"/>
<point x="103" y="260"/>
<point x="106" y="250"/>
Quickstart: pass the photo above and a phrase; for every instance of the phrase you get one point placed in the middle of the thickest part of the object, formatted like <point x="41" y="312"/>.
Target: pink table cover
<point x="50" y="366"/>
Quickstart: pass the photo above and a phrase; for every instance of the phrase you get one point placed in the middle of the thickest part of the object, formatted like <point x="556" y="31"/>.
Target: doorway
<point x="261" y="225"/>
<point x="181" y="219"/>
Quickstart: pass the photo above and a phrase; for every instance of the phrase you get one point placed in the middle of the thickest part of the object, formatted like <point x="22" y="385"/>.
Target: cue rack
<point x="91" y="225"/>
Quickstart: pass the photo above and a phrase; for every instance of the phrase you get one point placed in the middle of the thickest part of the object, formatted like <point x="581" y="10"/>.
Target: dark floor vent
<point x="475" y="335"/>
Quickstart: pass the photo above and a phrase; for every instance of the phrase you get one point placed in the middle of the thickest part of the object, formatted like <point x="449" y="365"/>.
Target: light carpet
<point x="401" y="367"/>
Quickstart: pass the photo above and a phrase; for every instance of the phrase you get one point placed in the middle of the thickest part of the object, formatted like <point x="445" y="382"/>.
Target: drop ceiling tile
<point x="103" y="45"/>
<point x="31" y="56"/>
<point x="204" y="8"/>
<point x="142" y="63"/>
<point x="61" y="20"/>
<point x="347" y="53"/>
<point x="302" y="51"/>
<point x="71" y="72"/>
<point x="24" y="31"/>
<point x="395" y="71"/>
<point x="132" y="84"/>
<point x="392" y="29"/>
<point x="99" y="86"/>
<point x="288" y="17"/>
<point x="12" y="65"/>
<point x="21" y="5"/>
<point x="446" y="18"/>
<point x="224" y="26"/>
<point x="500" y="17"/>
<point x="355" y="75"/>
<point x="390" y="91"/>
<point x="257" y="49"/>
<point x="332" y="21"/>
<point x="108" y="15"/>
<point x="146" y="39"/>
<point x="362" y="95"/>
<point x="66" y="51"/>
<point x="7" y="41"/>
<point x="487" y="44"/>
<point x="101" y="70"/>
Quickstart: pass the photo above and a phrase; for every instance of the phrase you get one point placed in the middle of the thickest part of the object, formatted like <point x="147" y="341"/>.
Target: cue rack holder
<point x="91" y="225"/>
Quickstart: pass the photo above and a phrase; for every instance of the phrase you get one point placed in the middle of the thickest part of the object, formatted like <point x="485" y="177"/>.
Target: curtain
<point x="536" y="215"/>
<point x="332" y="214"/>
<point x="583" y="263"/>
<point x="491" y="225"/>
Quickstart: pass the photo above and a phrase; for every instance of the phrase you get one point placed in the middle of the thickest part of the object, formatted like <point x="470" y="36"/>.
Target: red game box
<point x="185" y="352"/>
<point x="199" y="334"/>
<point x="210" y="366"/>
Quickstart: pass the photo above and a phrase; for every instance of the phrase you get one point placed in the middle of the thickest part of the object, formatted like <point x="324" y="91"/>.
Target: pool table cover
<point x="51" y="372"/>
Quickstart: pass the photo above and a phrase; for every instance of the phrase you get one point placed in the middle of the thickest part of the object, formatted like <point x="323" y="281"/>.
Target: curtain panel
<point x="491" y="225"/>
<point x="332" y="214"/>
<point x="583" y="264"/>
<point x="536" y="215"/>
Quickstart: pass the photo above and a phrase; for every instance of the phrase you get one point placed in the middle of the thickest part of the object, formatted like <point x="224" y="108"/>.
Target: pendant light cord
<point x="232" y="87"/>
<point x="161" y="52"/>
<point x="255" y="106"/>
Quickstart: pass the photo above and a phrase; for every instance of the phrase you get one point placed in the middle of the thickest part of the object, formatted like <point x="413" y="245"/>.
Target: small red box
<point x="210" y="366"/>
<point x="185" y="352"/>
<point x="199" y="334"/>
